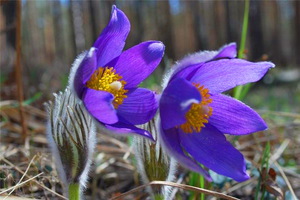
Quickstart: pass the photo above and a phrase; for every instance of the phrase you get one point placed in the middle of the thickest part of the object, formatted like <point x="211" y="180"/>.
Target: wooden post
<point x="18" y="68"/>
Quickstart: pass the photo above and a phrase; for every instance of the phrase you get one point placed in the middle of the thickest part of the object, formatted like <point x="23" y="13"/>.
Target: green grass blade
<point x="264" y="164"/>
<point x="237" y="92"/>
<point x="32" y="99"/>
<point x="244" y="29"/>
<point x="202" y="185"/>
<point x="196" y="180"/>
<point x="193" y="177"/>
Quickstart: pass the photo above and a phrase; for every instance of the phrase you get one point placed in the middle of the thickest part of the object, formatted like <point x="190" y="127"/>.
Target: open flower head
<point x="195" y="115"/>
<point x="106" y="79"/>
<point x="72" y="136"/>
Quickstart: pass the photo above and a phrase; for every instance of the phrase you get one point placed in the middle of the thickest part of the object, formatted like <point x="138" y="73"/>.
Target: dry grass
<point x="27" y="169"/>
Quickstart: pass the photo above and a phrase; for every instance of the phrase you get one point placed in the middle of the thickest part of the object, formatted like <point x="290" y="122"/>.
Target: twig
<point x="285" y="179"/>
<point x="283" y="114"/>
<point x="261" y="140"/>
<point x="239" y="185"/>
<point x="127" y="154"/>
<point x="21" y="177"/>
<point x="180" y="179"/>
<point x="181" y="186"/>
<point x="292" y="173"/>
<point x="115" y="141"/>
<point x="43" y="186"/>
<point x="19" y="185"/>
<point x="280" y="150"/>
<point x="18" y="69"/>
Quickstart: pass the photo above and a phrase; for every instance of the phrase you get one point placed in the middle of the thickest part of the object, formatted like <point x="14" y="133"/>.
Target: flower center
<point x="199" y="113"/>
<point x="106" y="79"/>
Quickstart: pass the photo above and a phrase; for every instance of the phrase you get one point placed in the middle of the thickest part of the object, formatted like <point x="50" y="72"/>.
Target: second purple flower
<point x="195" y="115"/>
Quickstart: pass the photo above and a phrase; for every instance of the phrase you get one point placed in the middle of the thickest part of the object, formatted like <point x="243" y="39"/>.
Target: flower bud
<point x="152" y="163"/>
<point x="71" y="135"/>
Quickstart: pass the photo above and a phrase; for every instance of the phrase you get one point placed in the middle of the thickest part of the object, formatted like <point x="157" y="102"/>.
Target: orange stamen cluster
<point x="199" y="113"/>
<point x="106" y="79"/>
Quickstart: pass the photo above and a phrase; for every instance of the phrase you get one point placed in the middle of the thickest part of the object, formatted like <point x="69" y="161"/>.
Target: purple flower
<point x="195" y="116"/>
<point x="106" y="79"/>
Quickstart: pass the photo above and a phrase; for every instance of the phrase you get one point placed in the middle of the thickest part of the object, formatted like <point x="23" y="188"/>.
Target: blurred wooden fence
<point x="54" y="32"/>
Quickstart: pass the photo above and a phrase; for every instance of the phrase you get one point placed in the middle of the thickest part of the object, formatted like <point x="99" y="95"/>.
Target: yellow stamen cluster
<point x="199" y="113"/>
<point x="106" y="79"/>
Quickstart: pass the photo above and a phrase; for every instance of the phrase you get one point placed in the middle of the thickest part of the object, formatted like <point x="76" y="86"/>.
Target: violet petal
<point x="99" y="105"/>
<point x="122" y="127"/>
<point x="139" y="107"/>
<point x="234" y="117"/>
<point x="221" y="75"/>
<point x="138" y="62"/>
<point x="228" y="51"/>
<point x="112" y="39"/>
<point x="210" y="148"/>
<point x="175" y="101"/>
<point x="85" y="70"/>
<point x="188" y="64"/>
<point x="171" y="141"/>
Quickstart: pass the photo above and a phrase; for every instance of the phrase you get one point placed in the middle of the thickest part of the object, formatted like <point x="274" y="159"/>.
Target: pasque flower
<point x="106" y="79"/>
<point x="153" y="164"/>
<point x="72" y="136"/>
<point x="195" y="115"/>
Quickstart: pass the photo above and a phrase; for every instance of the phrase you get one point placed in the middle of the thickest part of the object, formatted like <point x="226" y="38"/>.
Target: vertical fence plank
<point x="55" y="32"/>
<point x="18" y="68"/>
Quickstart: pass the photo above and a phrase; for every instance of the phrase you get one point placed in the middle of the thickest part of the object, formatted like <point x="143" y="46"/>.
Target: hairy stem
<point x="74" y="191"/>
